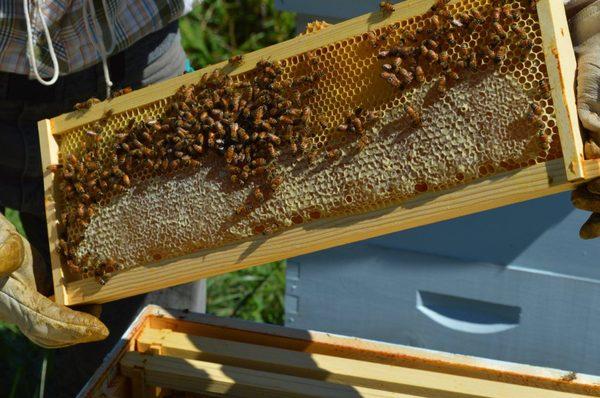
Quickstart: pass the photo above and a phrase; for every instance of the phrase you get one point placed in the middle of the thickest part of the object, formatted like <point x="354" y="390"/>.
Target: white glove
<point x="585" y="31"/>
<point x="44" y="322"/>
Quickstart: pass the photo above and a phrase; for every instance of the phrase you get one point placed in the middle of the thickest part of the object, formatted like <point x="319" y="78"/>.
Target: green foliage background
<point x="219" y="28"/>
<point x="210" y="33"/>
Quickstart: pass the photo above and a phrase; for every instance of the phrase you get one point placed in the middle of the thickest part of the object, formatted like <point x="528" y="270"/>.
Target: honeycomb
<point x="315" y="26"/>
<point x="478" y="127"/>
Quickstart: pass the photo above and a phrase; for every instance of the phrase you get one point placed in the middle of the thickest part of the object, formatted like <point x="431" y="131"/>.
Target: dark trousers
<point x="22" y="103"/>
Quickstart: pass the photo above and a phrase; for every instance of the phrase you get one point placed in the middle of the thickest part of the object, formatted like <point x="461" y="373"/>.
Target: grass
<point x="254" y="294"/>
<point x="210" y="33"/>
<point x="13" y="217"/>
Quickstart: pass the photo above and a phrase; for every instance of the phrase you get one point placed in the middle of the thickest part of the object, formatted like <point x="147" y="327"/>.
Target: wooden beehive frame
<point x="195" y="353"/>
<point x="499" y="190"/>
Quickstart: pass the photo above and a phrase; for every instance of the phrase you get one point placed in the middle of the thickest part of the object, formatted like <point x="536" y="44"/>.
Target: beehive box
<point x="172" y="354"/>
<point x="479" y="145"/>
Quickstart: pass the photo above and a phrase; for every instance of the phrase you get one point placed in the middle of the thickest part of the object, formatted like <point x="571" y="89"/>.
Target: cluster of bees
<point x="425" y="53"/>
<point x="248" y="123"/>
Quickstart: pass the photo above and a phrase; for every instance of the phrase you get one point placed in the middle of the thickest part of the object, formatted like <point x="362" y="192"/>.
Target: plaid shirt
<point x="131" y="20"/>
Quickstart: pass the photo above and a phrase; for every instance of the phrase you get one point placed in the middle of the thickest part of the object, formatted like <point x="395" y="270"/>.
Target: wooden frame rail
<point x="167" y="351"/>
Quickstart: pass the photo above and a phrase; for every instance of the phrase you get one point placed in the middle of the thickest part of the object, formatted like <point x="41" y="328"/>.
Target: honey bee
<point x="462" y="20"/>
<point x="63" y="247"/>
<point x="236" y="59"/>
<point x="444" y="58"/>
<point x="86" y="104"/>
<point x="442" y="85"/>
<point x="259" y="162"/>
<point x="436" y="23"/>
<point x="487" y="52"/>
<point x="477" y="17"/>
<point x="496" y="14"/>
<point x="102" y="280"/>
<point x="464" y="49"/>
<point x="386" y="7"/>
<point x="125" y="146"/>
<point x="451" y="38"/>
<point x="391" y="79"/>
<point x="420" y="74"/>
<point x="508" y="13"/>
<point x="258" y="195"/>
<point x="274" y="139"/>
<point x="229" y="154"/>
<point x="376" y="41"/>
<point x="241" y="209"/>
<point x="544" y="88"/>
<point x="309" y="93"/>
<point x="526" y="44"/>
<point x="500" y="30"/>
<point x="500" y="54"/>
<point x="472" y="62"/>
<point x="409" y="36"/>
<point x="272" y="151"/>
<point x="79" y="188"/>
<point x="495" y="40"/>
<point x="54" y="168"/>
<point x="519" y="31"/>
<point x="414" y="115"/>
<point x="536" y="109"/>
<point x="432" y="56"/>
<point x="371" y="116"/>
<point x="452" y="74"/>
<point x="276" y="182"/>
<point x="165" y="164"/>
<point x="304" y="144"/>
<point x="358" y="125"/>
<point x="294" y="147"/>
<point x="243" y="135"/>
<point x="333" y="154"/>
<point x="537" y="122"/>
<point x="106" y="115"/>
<point x="363" y="142"/>
<point x="311" y="58"/>
<point x="126" y="180"/>
<point x="80" y="210"/>
<point x="286" y="120"/>
<point x="123" y="91"/>
<point x="430" y="43"/>
<point x="72" y="159"/>
<point x="372" y="37"/>
<point x="406" y="75"/>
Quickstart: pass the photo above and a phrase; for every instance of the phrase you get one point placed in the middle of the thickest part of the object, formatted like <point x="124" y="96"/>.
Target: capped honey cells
<point x="414" y="106"/>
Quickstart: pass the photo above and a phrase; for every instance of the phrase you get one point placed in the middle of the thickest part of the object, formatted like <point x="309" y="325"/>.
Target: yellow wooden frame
<point x="198" y="353"/>
<point x="499" y="190"/>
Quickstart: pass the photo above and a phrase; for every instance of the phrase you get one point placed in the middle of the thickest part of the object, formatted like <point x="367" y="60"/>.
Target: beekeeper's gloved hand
<point x="585" y="31"/>
<point x="44" y="322"/>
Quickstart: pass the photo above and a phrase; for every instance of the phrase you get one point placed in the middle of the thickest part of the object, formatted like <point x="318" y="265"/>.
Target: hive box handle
<point x="467" y="315"/>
